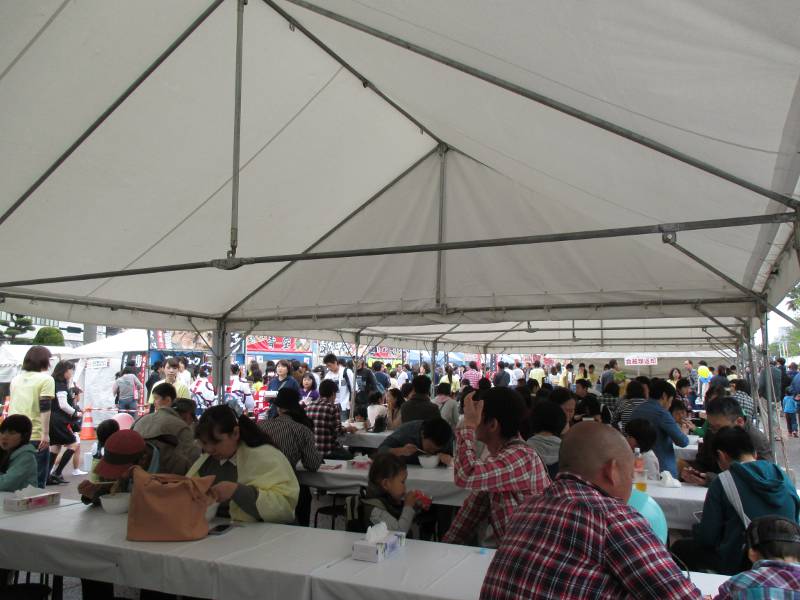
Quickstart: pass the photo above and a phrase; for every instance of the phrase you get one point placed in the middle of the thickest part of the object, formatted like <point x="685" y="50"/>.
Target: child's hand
<point x="409" y="450"/>
<point x="445" y="459"/>
<point x="412" y="498"/>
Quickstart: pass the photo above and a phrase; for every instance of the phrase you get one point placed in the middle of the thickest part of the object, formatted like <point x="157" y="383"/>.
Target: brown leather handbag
<point x="168" y="508"/>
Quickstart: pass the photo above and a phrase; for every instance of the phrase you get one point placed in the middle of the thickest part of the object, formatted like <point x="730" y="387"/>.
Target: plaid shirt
<point x="576" y="542"/>
<point x="296" y="441"/>
<point x="747" y="404"/>
<point x="768" y="580"/>
<point x="612" y="402"/>
<point x="499" y="484"/>
<point x="327" y="424"/>
<point x="473" y="377"/>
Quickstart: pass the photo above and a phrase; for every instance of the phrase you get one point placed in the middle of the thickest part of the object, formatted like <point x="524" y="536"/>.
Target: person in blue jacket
<point x="656" y="411"/>
<point x="17" y="455"/>
<point x="761" y="487"/>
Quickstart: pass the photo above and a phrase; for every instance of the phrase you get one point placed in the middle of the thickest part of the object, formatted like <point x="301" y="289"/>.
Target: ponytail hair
<point x="222" y="419"/>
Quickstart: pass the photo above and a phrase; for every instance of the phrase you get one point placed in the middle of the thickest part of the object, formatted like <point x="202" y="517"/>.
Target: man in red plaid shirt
<point x="579" y="539"/>
<point x="512" y="473"/>
<point x="472" y="374"/>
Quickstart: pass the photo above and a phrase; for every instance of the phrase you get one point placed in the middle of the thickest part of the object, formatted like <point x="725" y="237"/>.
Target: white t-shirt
<point x="402" y="378"/>
<point x="518" y="374"/>
<point x="376" y="410"/>
<point x="241" y="389"/>
<point x="343" y="395"/>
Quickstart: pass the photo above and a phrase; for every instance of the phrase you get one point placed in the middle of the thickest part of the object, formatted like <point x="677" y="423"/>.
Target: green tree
<point x="49" y="336"/>
<point x="16" y="326"/>
<point x="793" y="298"/>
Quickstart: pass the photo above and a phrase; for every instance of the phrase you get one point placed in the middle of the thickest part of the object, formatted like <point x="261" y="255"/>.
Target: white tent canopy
<point x="374" y="124"/>
<point x="131" y="340"/>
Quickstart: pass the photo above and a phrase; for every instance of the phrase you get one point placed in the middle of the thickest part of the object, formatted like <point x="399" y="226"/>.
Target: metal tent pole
<point x="768" y="383"/>
<point x="433" y="366"/>
<point x="440" y="237"/>
<point x="668" y="231"/>
<point x="237" y="119"/>
<point x="218" y="354"/>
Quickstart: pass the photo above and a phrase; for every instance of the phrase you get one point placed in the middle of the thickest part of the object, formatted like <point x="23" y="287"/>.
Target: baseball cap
<point x="123" y="450"/>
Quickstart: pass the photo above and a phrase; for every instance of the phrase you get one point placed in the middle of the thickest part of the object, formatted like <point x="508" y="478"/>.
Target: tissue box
<point x="16" y="504"/>
<point x="377" y="551"/>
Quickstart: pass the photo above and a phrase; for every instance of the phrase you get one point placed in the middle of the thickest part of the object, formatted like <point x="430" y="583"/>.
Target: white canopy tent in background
<point x="12" y="355"/>
<point x="409" y="165"/>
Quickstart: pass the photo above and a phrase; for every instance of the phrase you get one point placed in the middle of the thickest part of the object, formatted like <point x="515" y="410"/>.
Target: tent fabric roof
<point x="329" y="164"/>
<point x="131" y="340"/>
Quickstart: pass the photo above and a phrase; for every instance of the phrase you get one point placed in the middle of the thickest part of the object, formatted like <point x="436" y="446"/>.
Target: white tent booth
<point x="293" y="165"/>
<point x="98" y="363"/>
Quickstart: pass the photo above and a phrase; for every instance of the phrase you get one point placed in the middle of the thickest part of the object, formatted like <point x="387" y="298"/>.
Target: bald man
<point x="579" y="539"/>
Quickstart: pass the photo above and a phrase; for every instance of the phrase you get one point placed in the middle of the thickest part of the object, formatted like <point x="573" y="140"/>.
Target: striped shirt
<point x="624" y="410"/>
<point x="296" y="441"/>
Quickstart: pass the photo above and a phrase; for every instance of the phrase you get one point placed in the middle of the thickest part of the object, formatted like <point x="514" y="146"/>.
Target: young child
<point x="641" y="434"/>
<point x="790" y="411"/>
<point x="681" y="416"/>
<point x="386" y="499"/>
<point x="773" y="545"/>
<point x="17" y="454"/>
<point x="104" y="431"/>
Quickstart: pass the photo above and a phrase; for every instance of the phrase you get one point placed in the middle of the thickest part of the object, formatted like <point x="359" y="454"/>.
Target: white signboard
<point x="98" y="363"/>
<point x="640" y="360"/>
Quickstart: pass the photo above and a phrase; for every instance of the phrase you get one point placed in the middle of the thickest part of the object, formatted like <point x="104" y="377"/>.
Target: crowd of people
<point x="547" y="458"/>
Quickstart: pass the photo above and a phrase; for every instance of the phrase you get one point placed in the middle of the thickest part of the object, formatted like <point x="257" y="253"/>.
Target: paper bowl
<point x="211" y="511"/>
<point x="693" y="439"/>
<point x="115" y="504"/>
<point x="428" y="461"/>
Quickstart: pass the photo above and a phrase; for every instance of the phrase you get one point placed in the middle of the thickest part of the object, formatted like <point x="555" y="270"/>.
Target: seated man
<point x="168" y="432"/>
<point x="722" y="412"/>
<point x="579" y="539"/>
<point x="419" y="406"/>
<point x="773" y="545"/>
<point x="511" y="473"/>
<point x="667" y="431"/>
<point x="746" y="489"/>
<point x="432" y="436"/>
<point x="325" y="414"/>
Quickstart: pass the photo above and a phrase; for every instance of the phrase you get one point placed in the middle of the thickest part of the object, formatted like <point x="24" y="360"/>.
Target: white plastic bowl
<point x="428" y="461"/>
<point x="211" y="511"/>
<point x="116" y="504"/>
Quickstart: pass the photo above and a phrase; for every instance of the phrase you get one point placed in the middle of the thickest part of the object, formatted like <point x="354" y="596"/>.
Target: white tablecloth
<point x="364" y="439"/>
<point x="687" y="453"/>
<point x="707" y="582"/>
<point x="81" y="541"/>
<point x="678" y="504"/>
<point x="437" y="483"/>
<point x="420" y="570"/>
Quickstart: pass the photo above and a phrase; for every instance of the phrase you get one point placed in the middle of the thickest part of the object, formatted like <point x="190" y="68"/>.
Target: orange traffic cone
<point x="87" y="430"/>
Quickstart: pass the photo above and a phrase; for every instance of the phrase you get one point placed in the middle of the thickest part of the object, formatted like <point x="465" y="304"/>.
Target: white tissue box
<point x="377" y="551"/>
<point x="16" y="504"/>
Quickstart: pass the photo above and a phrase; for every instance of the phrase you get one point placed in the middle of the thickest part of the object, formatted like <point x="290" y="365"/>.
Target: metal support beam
<point x="445" y="311"/>
<point x="237" y="121"/>
<point x="433" y="366"/>
<point x="719" y="323"/>
<point x="768" y="383"/>
<point x="108" y="111"/>
<point x="364" y="81"/>
<point x="556" y="329"/>
<point x="440" y="238"/>
<point x="751" y="362"/>
<point x="548" y="238"/>
<point x="550" y="103"/>
<point x="333" y="229"/>
<point x="670" y="238"/>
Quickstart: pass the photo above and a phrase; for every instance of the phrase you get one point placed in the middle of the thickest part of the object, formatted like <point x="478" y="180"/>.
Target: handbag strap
<point x="732" y="493"/>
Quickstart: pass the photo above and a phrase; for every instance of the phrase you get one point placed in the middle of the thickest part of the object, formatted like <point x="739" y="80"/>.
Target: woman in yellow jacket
<point x="254" y="481"/>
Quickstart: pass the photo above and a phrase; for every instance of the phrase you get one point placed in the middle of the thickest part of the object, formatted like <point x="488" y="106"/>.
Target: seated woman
<point x="254" y="481"/>
<point x="746" y="490"/>
<point x="17" y="454"/>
